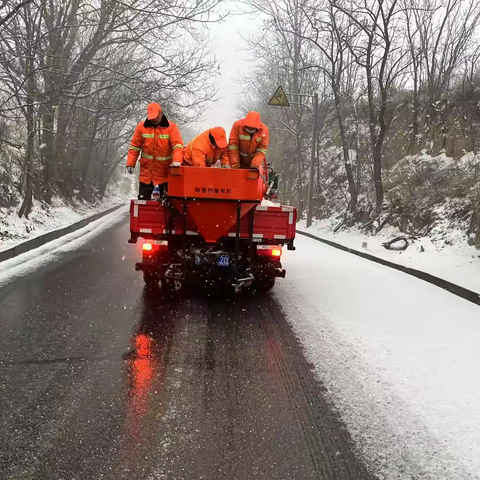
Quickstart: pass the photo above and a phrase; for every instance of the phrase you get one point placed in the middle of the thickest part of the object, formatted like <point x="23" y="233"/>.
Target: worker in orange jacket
<point x="248" y="143"/>
<point x="161" y="145"/>
<point x="207" y="148"/>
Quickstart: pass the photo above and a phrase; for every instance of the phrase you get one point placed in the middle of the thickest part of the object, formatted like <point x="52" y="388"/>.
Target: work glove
<point x="226" y="166"/>
<point x="175" y="164"/>
<point x="130" y="170"/>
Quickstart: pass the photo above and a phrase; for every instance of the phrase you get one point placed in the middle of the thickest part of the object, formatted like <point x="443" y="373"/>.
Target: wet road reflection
<point x="150" y="348"/>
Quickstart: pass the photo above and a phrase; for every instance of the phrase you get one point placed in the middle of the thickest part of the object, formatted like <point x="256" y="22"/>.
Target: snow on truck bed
<point x="399" y="357"/>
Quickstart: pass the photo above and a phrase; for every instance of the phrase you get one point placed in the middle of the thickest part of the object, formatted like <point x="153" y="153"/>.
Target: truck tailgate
<point x="270" y="223"/>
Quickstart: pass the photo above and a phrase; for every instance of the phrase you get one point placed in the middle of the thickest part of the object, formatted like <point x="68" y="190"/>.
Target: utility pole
<point x="280" y="99"/>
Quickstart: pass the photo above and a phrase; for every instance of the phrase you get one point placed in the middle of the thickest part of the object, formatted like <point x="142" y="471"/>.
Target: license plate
<point x="223" y="260"/>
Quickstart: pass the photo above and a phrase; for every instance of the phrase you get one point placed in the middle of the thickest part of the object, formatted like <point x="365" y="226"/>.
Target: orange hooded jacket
<point x="245" y="150"/>
<point x="159" y="146"/>
<point x="201" y="153"/>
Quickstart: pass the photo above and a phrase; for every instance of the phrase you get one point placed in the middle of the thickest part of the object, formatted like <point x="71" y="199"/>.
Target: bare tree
<point x="377" y="24"/>
<point x="78" y="72"/>
<point x="281" y="54"/>
<point x="9" y="9"/>
<point x="327" y="34"/>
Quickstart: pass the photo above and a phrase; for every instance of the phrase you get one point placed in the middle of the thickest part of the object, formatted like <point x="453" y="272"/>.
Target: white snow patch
<point x="398" y="356"/>
<point x="269" y="203"/>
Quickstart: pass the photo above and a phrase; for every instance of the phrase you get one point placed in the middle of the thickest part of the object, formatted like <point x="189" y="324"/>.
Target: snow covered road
<point x="400" y="358"/>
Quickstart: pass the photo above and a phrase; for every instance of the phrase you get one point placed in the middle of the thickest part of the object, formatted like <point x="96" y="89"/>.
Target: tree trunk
<point x="48" y="153"/>
<point x="352" y="188"/>
<point x="27" y="203"/>
<point x="415" y="113"/>
<point x="104" y="184"/>
<point x="377" y="173"/>
<point x="85" y="191"/>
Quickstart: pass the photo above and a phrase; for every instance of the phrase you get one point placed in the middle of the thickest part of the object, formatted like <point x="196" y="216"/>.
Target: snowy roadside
<point x="44" y="219"/>
<point x="453" y="260"/>
<point x="398" y="356"/>
<point x="23" y="264"/>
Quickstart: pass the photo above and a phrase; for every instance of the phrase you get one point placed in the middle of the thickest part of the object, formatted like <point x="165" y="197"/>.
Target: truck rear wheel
<point x="264" y="283"/>
<point x="151" y="279"/>
<point x="167" y="285"/>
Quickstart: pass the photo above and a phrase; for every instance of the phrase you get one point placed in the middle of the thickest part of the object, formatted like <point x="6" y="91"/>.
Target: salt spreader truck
<point x="211" y="227"/>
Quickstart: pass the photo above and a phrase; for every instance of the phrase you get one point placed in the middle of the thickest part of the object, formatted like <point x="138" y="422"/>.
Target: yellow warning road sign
<point x="279" y="99"/>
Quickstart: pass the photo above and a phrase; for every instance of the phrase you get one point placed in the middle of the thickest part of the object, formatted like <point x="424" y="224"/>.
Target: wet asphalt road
<point x="102" y="379"/>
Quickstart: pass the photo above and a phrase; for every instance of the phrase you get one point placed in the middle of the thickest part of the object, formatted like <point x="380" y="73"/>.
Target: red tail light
<point x="270" y="250"/>
<point x="151" y="245"/>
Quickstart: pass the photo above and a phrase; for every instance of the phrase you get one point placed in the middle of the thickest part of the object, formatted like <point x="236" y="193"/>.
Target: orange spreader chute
<point x="211" y="195"/>
<point x="213" y="219"/>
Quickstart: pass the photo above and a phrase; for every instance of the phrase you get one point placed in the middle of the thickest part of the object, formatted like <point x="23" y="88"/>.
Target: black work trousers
<point x="145" y="190"/>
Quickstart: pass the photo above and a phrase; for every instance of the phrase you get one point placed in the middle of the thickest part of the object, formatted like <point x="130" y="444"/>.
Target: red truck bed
<point x="150" y="218"/>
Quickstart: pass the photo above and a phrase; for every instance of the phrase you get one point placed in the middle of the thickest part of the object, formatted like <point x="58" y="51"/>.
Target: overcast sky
<point x="227" y="43"/>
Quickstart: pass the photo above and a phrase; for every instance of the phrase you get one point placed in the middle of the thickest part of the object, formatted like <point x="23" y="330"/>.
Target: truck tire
<point x="264" y="283"/>
<point x="151" y="279"/>
<point x="167" y="286"/>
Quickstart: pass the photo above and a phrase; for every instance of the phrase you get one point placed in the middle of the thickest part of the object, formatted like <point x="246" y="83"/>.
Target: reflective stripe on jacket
<point x="158" y="147"/>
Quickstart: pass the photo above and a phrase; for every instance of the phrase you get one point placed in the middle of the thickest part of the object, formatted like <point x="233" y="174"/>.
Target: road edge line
<point x="457" y="290"/>
<point x="36" y="242"/>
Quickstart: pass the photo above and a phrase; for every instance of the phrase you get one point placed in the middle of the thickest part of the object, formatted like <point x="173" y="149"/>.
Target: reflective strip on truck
<point x="255" y="235"/>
